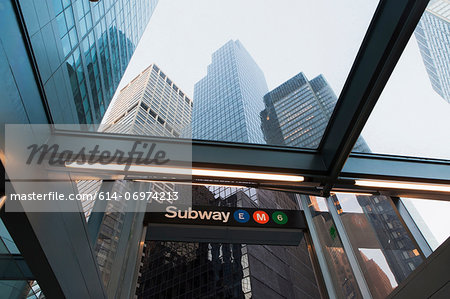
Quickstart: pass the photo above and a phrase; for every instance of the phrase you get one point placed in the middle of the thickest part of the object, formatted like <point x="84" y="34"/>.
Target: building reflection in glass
<point x="383" y="247"/>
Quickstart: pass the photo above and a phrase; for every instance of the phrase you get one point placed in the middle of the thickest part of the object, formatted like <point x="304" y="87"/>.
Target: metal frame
<point x="264" y="158"/>
<point x="387" y="36"/>
<point x="348" y="248"/>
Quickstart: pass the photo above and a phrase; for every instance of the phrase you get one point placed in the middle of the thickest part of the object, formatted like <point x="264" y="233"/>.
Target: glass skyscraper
<point x="82" y="49"/>
<point x="227" y="98"/>
<point x="297" y="113"/>
<point x="433" y="37"/>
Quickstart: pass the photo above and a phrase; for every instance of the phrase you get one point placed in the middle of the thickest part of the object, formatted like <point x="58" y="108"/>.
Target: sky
<point x="286" y="37"/>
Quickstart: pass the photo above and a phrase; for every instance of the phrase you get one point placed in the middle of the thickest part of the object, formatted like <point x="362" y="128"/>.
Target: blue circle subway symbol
<point x="241" y="216"/>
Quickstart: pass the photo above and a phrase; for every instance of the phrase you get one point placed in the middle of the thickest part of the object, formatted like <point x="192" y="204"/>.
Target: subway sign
<point x="226" y="225"/>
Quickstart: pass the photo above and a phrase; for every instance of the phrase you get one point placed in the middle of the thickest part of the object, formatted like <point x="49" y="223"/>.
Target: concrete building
<point x="150" y="105"/>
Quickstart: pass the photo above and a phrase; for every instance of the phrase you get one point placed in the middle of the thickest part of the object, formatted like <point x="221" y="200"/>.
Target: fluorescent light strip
<point x="247" y="175"/>
<point x="351" y="193"/>
<point x="189" y="183"/>
<point x="193" y="172"/>
<point x="96" y="166"/>
<point x="163" y="170"/>
<point x="401" y="185"/>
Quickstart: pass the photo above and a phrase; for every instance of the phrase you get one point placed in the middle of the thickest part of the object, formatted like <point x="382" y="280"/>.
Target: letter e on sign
<point x="260" y="217"/>
<point x="241" y="216"/>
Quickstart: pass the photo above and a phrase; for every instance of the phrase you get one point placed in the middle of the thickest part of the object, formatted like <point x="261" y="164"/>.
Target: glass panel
<point x="14" y="289"/>
<point x="431" y="216"/>
<point x="66" y="44"/>
<point x="57" y="7"/>
<point x="383" y="247"/>
<point x="341" y="273"/>
<point x="411" y="117"/>
<point x="7" y="240"/>
<point x="271" y="80"/>
<point x="61" y="25"/>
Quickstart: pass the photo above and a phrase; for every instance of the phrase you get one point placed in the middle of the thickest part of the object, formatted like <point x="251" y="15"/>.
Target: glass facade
<point x="383" y="247"/>
<point x="16" y="282"/>
<point x="434" y="232"/>
<point x="228" y="99"/>
<point x="82" y="49"/>
<point x="297" y="113"/>
<point x="62" y="64"/>
<point x="195" y="270"/>
<point x="341" y="273"/>
<point x="220" y="270"/>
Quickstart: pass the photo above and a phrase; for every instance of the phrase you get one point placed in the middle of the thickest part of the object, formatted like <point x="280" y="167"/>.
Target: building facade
<point x="150" y="105"/>
<point x="297" y="112"/>
<point x="433" y="37"/>
<point x="227" y="98"/>
<point x="82" y="49"/>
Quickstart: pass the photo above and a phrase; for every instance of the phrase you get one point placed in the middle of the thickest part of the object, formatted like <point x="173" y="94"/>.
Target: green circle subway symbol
<point x="279" y="217"/>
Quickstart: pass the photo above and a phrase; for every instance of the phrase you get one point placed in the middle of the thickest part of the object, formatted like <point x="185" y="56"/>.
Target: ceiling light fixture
<point x="402" y="185"/>
<point x="191" y="172"/>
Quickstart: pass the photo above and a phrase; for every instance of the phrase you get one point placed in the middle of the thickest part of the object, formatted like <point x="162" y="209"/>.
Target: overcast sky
<point x="286" y="37"/>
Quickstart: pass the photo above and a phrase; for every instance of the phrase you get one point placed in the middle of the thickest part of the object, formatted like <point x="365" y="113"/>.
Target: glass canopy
<point x="411" y="117"/>
<point x="266" y="73"/>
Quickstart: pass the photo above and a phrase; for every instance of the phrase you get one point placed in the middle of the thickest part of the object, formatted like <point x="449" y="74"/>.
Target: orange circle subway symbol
<point x="261" y="217"/>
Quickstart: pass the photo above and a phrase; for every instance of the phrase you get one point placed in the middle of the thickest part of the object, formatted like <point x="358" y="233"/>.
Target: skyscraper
<point x="227" y="98"/>
<point x="82" y="49"/>
<point x="433" y="37"/>
<point x="227" y="103"/>
<point x="150" y="105"/>
<point x="297" y="113"/>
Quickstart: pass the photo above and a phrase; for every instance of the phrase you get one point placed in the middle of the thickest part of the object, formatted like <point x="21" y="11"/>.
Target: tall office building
<point x="297" y="113"/>
<point x="433" y="37"/>
<point x="227" y="98"/>
<point x="151" y="105"/>
<point x="227" y="102"/>
<point x="81" y="50"/>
